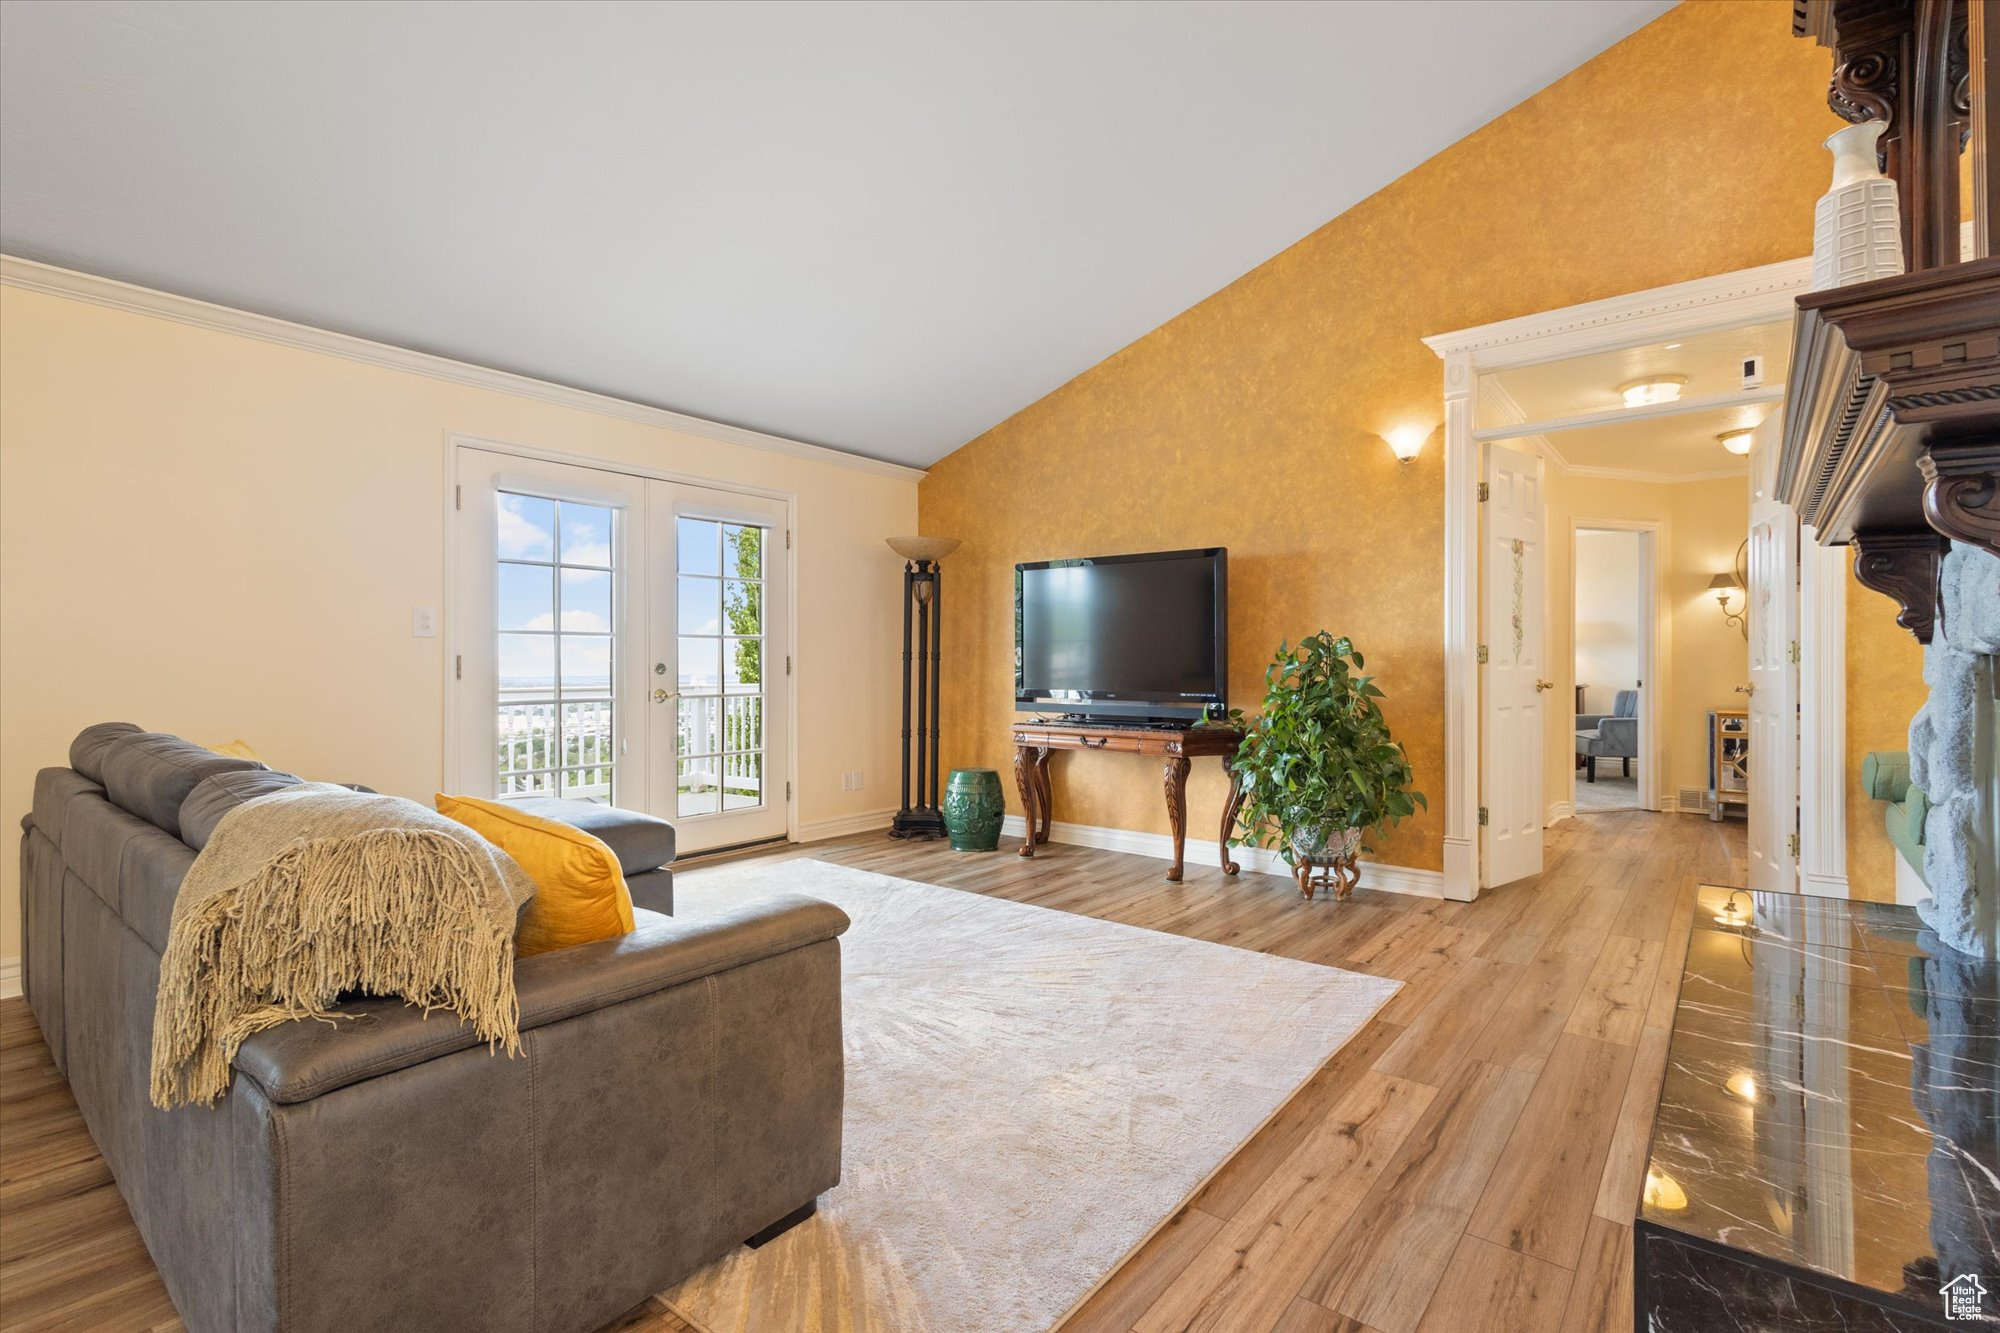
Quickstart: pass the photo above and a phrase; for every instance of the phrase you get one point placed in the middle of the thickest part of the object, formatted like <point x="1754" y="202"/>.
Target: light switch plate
<point x="423" y="622"/>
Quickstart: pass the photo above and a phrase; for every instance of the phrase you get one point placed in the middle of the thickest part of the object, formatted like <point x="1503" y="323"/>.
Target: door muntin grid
<point x="720" y="607"/>
<point x="555" y="608"/>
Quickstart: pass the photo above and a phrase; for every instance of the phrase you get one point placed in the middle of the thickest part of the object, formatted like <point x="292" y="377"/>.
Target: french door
<point x="622" y="640"/>
<point x="719" y="662"/>
<point x="1516" y="603"/>
<point x="1773" y="690"/>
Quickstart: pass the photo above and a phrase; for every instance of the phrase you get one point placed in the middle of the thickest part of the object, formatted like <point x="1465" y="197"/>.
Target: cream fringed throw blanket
<point x="317" y="890"/>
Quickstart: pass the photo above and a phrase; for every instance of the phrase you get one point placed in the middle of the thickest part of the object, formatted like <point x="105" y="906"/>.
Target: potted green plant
<point x="1319" y="768"/>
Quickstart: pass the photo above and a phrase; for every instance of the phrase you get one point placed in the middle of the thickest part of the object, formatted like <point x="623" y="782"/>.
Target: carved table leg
<point x="1176" y="775"/>
<point x="1024" y="778"/>
<point x="1230" y="808"/>
<point x="1048" y="794"/>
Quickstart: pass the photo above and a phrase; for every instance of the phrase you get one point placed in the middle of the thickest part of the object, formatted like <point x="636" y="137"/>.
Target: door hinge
<point x="1793" y="652"/>
<point x="1485" y="492"/>
<point x="458" y="668"/>
<point x="1482" y="816"/>
<point x="1792" y="846"/>
<point x="458" y="497"/>
<point x="788" y="539"/>
<point x="788" y="664"/>
<point x="1482" y="652"/>
<point x="788" y="791"/>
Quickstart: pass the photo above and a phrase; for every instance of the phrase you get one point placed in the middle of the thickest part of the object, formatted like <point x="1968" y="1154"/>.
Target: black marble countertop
<point x="1832" y="1098"/>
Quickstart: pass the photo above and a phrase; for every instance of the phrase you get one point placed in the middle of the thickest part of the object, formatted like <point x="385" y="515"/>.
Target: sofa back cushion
<point x="87" y="751"/>
<point x="219" y="793"/>
<point x="150" y="774"/>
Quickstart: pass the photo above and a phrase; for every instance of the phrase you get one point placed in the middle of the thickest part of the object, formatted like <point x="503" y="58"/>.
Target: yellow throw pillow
<point x="238" y="749"/>
<point x="580" y="894"/>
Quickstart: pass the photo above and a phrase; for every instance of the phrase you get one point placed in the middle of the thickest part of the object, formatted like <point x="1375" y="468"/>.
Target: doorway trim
<point x="454" y="441"/>
<point x="1705" y="305"/>
<point x="1655" y="634"/>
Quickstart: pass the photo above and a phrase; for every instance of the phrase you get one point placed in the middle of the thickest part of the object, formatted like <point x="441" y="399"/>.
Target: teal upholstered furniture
<point x="1885" y="776"/>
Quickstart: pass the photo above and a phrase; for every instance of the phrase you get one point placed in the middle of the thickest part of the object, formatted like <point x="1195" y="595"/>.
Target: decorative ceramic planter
<point x="1324" y="858"/>
<point x="1857" y="225"/>
<point x="973" y="808"/>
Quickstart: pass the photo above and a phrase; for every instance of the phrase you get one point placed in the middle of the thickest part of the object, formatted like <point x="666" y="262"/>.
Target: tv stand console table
<point x="1178" y="747"/>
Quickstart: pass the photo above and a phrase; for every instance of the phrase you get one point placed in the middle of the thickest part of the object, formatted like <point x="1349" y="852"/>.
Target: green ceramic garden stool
<point x="973" y="808"/>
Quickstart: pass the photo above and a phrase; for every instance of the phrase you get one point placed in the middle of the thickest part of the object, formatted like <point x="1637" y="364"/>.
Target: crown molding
<point x="28" y="275"/>
<point x="1747" y="296"/>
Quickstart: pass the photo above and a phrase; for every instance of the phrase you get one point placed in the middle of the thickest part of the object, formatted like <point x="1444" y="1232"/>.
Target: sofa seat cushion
<point x="150" y="774"/>
<point x="219" y="793"/>
<point x="639" y="841"/>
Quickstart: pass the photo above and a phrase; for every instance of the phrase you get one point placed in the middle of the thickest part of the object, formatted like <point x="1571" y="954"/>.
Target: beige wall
<point x="1606" y="616"/>
<point x="1701" y="525"/>
<point x="220" y="537"/>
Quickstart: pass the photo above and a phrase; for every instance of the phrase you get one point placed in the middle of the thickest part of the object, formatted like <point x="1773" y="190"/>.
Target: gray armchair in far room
<point x="1613" y="735"/>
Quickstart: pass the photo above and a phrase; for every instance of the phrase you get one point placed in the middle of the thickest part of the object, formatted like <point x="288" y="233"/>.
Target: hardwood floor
<point x="1470" y="1161"/>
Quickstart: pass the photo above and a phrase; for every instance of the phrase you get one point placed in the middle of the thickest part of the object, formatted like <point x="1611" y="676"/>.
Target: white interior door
<point x="549" y="615"/>
<point x="1517" y="677"/>
<point x="1773" y="620"/>
<point x="720" y="657"/>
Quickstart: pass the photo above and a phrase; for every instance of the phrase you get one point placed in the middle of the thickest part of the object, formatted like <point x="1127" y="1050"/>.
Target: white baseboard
<point x="1205" y="851"/>
<point x="1557" y="812"/>
<point x="868" y="821"/>
<point x="10" y="978"/>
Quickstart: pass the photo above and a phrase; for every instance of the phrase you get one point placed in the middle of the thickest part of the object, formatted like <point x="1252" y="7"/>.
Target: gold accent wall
<point x="1885" y="688"/>
<point x="1253" y="420"/>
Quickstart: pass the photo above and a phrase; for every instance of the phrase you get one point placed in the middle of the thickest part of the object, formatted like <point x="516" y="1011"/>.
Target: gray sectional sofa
<point x="680" y="1090"/>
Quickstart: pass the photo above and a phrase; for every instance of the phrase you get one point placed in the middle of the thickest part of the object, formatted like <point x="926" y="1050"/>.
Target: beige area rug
<point x="1030" y="1094"/>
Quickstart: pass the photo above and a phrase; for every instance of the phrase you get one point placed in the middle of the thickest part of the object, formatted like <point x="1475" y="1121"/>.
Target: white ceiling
<point x="877" y="226"/>
<point x="1678" y="447"/>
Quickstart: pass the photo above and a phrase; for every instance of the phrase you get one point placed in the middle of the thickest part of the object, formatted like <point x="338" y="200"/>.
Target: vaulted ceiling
<point x="882" y="227"/>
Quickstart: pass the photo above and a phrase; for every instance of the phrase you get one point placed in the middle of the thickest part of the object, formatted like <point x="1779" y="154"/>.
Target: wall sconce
<point x="1406" y="442"/>
<point x="1722" y="585"/>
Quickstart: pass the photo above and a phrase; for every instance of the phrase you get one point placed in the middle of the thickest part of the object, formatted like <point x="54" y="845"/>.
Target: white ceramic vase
<point x="1857" y="225"/>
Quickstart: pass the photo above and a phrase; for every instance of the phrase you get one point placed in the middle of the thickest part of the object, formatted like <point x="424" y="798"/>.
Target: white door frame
<point x="1655" y="633"/>
<point x="454" y="647"/>
<point x="1705" y="305"/>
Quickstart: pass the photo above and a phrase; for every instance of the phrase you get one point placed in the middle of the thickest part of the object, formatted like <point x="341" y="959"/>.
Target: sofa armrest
<point x="1620" y="736"/>
<point x="1885" y="775"/>
<point x="1589" y="721"/>
<point x="296" y="1062"/>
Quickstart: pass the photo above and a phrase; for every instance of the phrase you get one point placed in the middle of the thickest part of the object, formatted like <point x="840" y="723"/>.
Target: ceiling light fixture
<point x="1652" y="391"/>
<point x="1736" y="441"/>
<point x="1406" y="442"/>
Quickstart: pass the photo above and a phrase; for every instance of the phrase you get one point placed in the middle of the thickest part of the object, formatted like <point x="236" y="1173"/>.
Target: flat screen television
<point x="1131" y="636"/>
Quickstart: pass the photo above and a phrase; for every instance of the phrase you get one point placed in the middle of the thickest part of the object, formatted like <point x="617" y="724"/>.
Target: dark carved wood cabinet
<point x="1892" y="441"/>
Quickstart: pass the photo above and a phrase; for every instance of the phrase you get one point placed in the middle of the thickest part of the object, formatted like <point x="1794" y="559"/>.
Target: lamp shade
<point x="1723" y="581"/>
<point x="923" y="548"/>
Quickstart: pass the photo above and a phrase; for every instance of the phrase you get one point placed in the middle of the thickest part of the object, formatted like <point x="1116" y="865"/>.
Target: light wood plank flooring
<point x="1470" y="1161"/>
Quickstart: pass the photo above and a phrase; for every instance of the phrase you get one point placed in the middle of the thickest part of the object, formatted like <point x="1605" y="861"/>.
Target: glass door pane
<point x="726" y="558"/>
<point x="556" y="709"/>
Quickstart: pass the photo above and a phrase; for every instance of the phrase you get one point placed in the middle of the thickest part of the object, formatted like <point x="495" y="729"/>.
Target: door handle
<point x="1746" y="689"/>
<point x="1541" y="685"/>
<point x="662" y="695"/>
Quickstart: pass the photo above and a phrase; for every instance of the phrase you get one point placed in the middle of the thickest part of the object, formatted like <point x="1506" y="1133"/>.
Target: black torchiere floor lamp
<point x="921" y="623"/>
